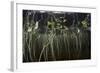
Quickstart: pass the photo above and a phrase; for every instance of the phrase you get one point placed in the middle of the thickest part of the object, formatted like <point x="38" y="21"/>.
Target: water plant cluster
<point x="56" y="36"/>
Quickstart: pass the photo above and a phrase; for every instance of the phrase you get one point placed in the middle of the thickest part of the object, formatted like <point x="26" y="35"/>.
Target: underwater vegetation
<point x="56" y="36"/>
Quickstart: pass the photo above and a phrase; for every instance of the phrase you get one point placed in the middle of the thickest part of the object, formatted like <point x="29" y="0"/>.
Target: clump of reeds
<point x="56" y="44"/>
